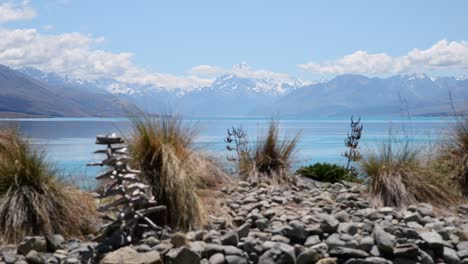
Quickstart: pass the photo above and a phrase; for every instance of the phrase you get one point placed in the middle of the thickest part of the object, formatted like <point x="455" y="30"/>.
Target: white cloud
<point x="207" y="70"/>
<point x="241" y="70"/>
<point x="444" y="55"/>
<point x="12" y="11"/>
<point x="75" y="55"/>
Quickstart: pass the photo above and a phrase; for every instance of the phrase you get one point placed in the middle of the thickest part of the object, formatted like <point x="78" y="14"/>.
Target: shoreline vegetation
<point x="393" y="203"/>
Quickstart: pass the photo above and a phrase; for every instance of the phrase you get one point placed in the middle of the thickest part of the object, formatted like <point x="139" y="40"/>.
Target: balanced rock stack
<point x="131" y="201"/>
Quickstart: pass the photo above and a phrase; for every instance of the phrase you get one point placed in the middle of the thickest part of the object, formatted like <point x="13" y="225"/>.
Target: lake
<point x="69" y="142"/>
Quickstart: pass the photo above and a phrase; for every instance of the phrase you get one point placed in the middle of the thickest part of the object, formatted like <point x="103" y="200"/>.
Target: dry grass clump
<point x="270" y="158"/>
<point x="452" y="160"/>
<point x="32" y="199"/>
<point x="163" y="150"/>
<point x="397" y="178"/>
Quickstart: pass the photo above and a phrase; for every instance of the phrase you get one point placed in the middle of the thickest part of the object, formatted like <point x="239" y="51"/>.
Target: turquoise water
<point x="70" y="141"/>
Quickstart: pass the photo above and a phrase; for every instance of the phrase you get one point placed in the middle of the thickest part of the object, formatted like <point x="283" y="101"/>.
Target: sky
<point x="186" y="44"/>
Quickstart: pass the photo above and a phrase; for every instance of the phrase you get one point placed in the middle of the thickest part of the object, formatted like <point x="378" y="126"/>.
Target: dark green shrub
<point x="326" y="172"/>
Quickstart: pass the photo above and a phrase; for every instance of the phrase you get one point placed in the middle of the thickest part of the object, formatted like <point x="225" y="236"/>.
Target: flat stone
<point x="236" y="260"/>
<point x="343" y="252"/>
<point x="130" y="255"/>
<point x="327" y="261"/>
<point x="368" y="260"/>
<point x="432" y="238"/>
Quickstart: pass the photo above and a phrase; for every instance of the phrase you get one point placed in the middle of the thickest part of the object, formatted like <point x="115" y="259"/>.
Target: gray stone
<point x="9" y="257"/>
<point x="236" y="260"/>
<point x="143" y="248"/>
<point x="343" y="252"/>
<point x="33" y="257"/>
<point x="342" y="216"/>
<point x="297" y="232"/>
<point x="450" y="256"/>
<point x="384" y="241"/>
<point x="366" y="243"/>
<point x="322" y="247"/>
<point x="261" y="224"/>
<point x="182" y="255"/>
<point x="54" y="242"/>
<point x="36" y="243"/>
<point x="312" y="240"/>
<point x="328" y="223"/>
<point x="151" y="241"/>
<point x="327" y="261"/>
<point x="231" y="250"/>
<point x="280" y="238"/>
<point x="335" y="241"/>
<point x="231" y="239"/>
<point x="280" y="253"/>
<point x="309" y="256"/>
<point x="432" y="238"/>
<point x="425" y="209"/>
<point x="217" y="258"/>
<point x="348" y="228"/>
<point x="412" y="217"/>
<point x="243" y="230"/>
<point x="211" y="249"/>
<point x="163" y="247"/>
<point x="463" y="253"/>
<point x="368" y="260"/>
<point x="462" y="245"/>
<point x="130" y="255"/>
<point x="72" y="261"/>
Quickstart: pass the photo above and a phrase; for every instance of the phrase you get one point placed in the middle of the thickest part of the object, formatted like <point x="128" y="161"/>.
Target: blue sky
<point x="303" y="39"/>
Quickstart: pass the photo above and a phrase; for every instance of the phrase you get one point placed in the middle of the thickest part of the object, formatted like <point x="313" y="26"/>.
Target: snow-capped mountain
<point x="357" y="94"/>
<point x="240" y="92"/>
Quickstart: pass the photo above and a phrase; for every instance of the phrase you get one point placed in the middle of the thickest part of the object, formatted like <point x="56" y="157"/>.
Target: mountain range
<point x="31" y="92"/>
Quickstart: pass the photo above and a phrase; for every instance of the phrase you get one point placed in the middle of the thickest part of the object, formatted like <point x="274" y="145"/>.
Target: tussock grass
<point x="33" y="201"/>
<point x="452" y="158"/>
<point x="270" y="158"/>
<point x="163" y="150"/>
<point x="398" y="178"/>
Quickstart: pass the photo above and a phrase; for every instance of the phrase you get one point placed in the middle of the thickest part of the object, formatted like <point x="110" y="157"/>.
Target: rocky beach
<point x="310" y="222"/>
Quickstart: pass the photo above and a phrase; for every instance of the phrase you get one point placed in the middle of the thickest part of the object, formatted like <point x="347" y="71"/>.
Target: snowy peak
<point x="264" y="86"/>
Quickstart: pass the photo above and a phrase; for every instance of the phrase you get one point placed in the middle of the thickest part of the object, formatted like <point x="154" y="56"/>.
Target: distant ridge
<point x="31" y="92"/>
<point x="24" y="95"/>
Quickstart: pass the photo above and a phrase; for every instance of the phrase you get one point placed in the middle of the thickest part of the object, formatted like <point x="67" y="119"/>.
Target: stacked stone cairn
<point x="128" y="196"/>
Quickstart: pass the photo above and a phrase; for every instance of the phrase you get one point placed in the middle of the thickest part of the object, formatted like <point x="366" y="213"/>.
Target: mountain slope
<point x="356" y="94"/>
<point x="24" y="95"/>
